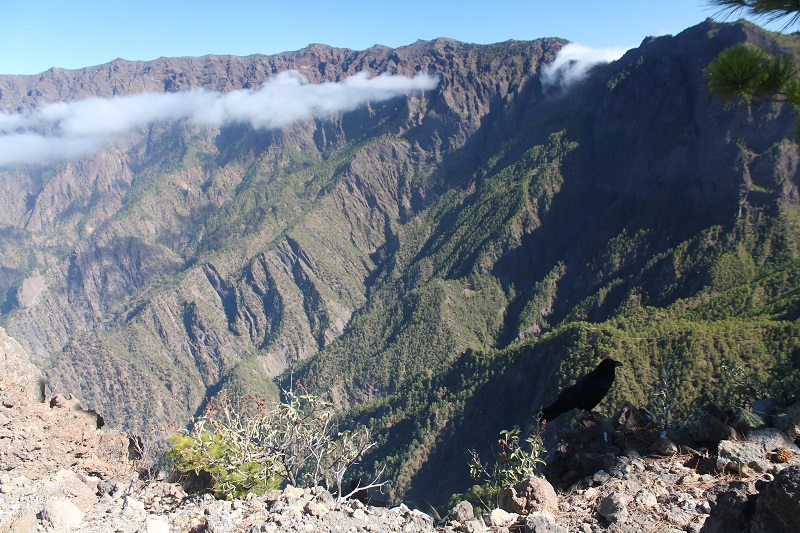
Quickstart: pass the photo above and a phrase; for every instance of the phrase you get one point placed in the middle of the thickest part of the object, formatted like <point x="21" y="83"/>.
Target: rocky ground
<point x="59" y="471"/>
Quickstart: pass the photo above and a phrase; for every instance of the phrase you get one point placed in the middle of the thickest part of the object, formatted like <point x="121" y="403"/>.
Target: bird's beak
<point x="617" y="363"/>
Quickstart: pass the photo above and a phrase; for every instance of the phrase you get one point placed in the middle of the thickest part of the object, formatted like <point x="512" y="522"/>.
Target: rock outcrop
<point x="16" y="370"/>
<point x="778" y="504"/>
<point x="54" y="455"/>
<point x="60" y="472"/>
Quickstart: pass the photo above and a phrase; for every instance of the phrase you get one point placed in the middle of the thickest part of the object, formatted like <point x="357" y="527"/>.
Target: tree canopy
<point x="767" y="10"/>
<point x="746" y="74"/>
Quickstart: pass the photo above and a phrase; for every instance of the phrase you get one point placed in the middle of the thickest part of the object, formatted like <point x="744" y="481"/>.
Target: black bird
<point x="586" y="393"/>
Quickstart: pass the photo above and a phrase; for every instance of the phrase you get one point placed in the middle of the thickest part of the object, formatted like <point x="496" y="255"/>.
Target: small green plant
<point x="515" y="461"/>
<point x="782" y="382"/>
<point x="663" y="394"/>
<point x="746" y="418"/>
<point x="295" y="441"/>
<point x="229" y="448"/>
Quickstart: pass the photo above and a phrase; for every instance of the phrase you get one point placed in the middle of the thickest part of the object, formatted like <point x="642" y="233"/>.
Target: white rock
<point x="22" y="522"/>
<point x="501" y="518"/>
<point x="316" y="509"/>
<point x="63" y="514"/>
<point x="156" y="525"/>
<point x="646" y="499"/>
<point x="133" y="504"/>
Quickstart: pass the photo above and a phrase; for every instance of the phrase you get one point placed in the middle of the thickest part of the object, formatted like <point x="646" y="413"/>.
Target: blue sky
<point x="37" y="35"/>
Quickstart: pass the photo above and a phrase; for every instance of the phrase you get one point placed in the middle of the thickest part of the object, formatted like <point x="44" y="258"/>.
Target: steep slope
<point x="17" y="370"/>
<point x="632" y="217"/>
<point x="185" y="257"/>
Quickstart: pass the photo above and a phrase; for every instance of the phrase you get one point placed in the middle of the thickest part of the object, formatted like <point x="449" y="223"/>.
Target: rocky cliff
<point x="185" y="255"/>
<point x="17" y="369"/>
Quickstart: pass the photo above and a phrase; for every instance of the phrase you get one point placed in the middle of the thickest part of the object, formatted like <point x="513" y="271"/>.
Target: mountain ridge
<point x="226" y="183"/>
<point x="220" y="73"/>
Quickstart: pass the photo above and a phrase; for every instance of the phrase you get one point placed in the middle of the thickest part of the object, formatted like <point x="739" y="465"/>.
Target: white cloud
<point x="573" y="62"/>
<point x="68" y="130"/>
<point x="22" y="148"/>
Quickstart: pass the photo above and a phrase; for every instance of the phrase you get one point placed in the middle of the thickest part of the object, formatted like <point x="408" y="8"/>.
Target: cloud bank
<point x="573" y="63"/>
<point x="70" y="130"/>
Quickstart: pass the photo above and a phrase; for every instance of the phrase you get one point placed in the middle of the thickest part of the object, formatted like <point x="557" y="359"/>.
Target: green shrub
<point x="250" y="450"/>
<point x="514" y="462"/>
<point x="229" y="448"/>
<point x="782" y="382"/>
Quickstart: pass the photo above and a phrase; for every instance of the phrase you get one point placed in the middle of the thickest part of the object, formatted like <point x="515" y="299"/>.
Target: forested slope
<point x="632" y="217"/>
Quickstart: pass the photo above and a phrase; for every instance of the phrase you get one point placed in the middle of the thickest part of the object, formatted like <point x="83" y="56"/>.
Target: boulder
<point x="220" y="522"/>
<point x="613" y="507"/>
<point x="475" y="525"/>
<point x="664" y="446"/>
<point x="789" y="421"/>
<point x="766" y="407"/>
<point x="131" y="507"/>
<point x="62" y="514"/>
<point x="778" y="504"/>
<point x="315" y="508"/>
<point x="462" y="512"/>
<point x="732" y="506"/>
<point x="527" y="496"/>
<point x="501" y="518"/>
<point x="23" y="521"/>
<point x="67" y="484"/>
<point x="290" y="492"/>
<point x="631" y="417"/>
<point x="17" y="370"/>
<point x="418" y="522"/>
<point x="646" y="499"/>
<point x="594" y="462"/>
<point x="712" y="430"/>
<point x="542" y="522"/>
<point x="754" y="451"/>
